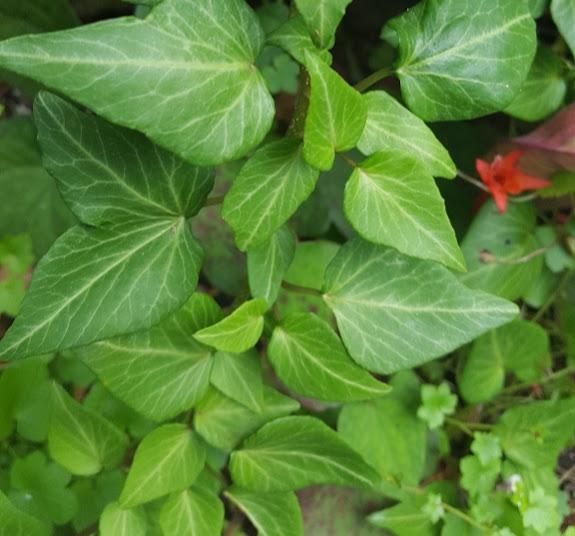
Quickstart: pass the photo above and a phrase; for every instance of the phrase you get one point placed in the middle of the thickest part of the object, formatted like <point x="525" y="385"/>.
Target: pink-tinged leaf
<point x="549" y="148"/>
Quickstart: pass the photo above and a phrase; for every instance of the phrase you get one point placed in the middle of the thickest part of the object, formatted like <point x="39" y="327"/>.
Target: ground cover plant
<point x="287" y="268"/>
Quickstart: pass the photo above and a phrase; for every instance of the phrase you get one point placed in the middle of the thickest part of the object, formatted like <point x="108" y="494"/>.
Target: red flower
<point x="503" y="177"/>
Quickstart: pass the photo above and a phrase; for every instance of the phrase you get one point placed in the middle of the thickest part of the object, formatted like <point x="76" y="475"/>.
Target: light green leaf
<point x="534" y="434"/>
<point x="309" y="357"/>
<point x="163" y="371"/>
<point x="537" y="7"/>
<point x="17" y="523"/>
<point x="272" y="514"/>
<point x="322" y="18"/>
<point x="223" y="423"/>
<point x="460" y="59"/>
<point x="193" y="512"/>
<point x="387" y="433"/>
<point x="293" y="37"/>
<point x="405" y="519"/>
<point x="80" y="439"/>
<point x="309" y="263"/>
<point x="73" y="298"/>
<point x="436" y="403"/>
<point x="240" y="378"/>
<point x="478" y="478"/>
<point x="107" y="174"/>
<point x="16" y="258"/>
<point x="237" y="332"/>
<point x="563" y="13"/>
<point x="543" y="91"/>
<point x="296" y="452"/>
<point x="563" y="183"/>
<point x="117" y="521"/>
<point x="268" y="263"/>
<point x="391" y="199"/>
<point x="184" y="75"/>
<point x="542" y="512"/>
<point x="486" y="447"/>
<point x="391" y="126"/>
<point x="507" y="237"/>
<point x="168" y="459"/>
<point x="520" y="347"/>
<point x="270" y="187"/>
<point x="396" y="312"/>
<point x="31" y="202"/>
<point x="336" y="115"/>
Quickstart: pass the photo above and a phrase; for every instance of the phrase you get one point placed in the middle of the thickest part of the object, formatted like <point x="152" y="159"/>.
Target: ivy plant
<point x="287" y="268"/>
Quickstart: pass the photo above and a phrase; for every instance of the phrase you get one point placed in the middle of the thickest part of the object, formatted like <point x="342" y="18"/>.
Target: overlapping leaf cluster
<point x="133" y="401"/>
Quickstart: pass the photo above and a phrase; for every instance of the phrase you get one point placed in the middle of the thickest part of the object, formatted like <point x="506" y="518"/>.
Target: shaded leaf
<point x="563" y="13"/>
<point x="17" y="523"/>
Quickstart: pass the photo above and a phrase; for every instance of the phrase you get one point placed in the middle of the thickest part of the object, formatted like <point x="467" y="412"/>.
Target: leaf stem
<point x="469" y="426"/>
<point x="543" y="309"/>
<point x="347" y="160"/>
<point x="301" y="290"/>
<point x="462" y="515"/>
<point x="373" y="78"/>
<point x="487" y="258"/>
<point x="526" y="385"/>
<point x="216" y="200"/>
<point x="471" y="180"/>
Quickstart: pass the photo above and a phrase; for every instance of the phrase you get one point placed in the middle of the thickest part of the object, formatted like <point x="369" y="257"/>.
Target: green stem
<point x="462" y="515"/>
<point x="469" y="426"/>
<point x="216" y="200"/>
<point x="551" y="300"/>
<point x="301" y="290"/>
<point x="373" y="78"/>
<point x="347" y="160"/>
<point x="526" y="385"/>
<point x="471" y="180"/>
<point x="461" y="425"/>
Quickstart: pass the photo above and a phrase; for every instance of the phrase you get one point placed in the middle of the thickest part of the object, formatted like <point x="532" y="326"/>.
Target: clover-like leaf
<point x="436" y="403"/>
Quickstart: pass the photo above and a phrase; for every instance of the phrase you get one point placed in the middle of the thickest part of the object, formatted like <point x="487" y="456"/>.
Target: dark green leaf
<point x="563" y="12"/>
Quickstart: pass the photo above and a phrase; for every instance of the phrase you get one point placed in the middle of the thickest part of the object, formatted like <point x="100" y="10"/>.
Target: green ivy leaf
<point x="537" y="7"/>
<point x="295" y="452"/>
<point x="336" y="115"/>
<point x="80" y="439"/>
<point x="463" y="59"/>
<point x="506" y="237"/>
<point x="17" y="523"/>
<point x="543" y="91"/>
<point x="111" y="261"/>
<point x="237" y="332"/>
<point x="163" y="371"/>
<point x="194" y="512"/>
<point x="150" y="74"/>
<point x="40" y="489"/>
<point x="563" y="13"/>
<point x="293" y="37"/>
<point x="272" y="514"/>
<point x="436" y="403"/>
<point x="223" y="423"/>
<point x="391" y="199"/>
<point x="390" y="308"/>
<point x="322" y="18"/>
<point x="387" y="432"/>
<point x="391" y="126"/>
<point x="268" y="263"/>
<point x="520" y="347"/>
<point x="107" y="174"/>
<point x="240" y="378"/>
<point x="310" y="262"/>
<point x="168" y="459"/>
<point x="310" y="358"/>
<point x="117" y="521"/>
<point x="270" y="187"/>
<point x="31" y="202"/>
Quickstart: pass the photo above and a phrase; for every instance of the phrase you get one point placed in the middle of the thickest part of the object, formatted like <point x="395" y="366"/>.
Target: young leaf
<point x="81" y="440"/>
<point x="391" y="126"/>
<point x="336" y="115"/>
<point x="520" y="347"/>
<point x="486" y="447"/>
<point x="194" y="512"/>
<point x="322" y="18"/>
<point x="108" y="174"/>
<point x="237" y="332"/>
<point x="436" y="403"/>
<point x="478" y="478"/>
<point x="543" y="91"/>
<point x="563" y="13"/>
<point x="223" y="423"/>
<point x="184" y="75"/>
<point x="506" y="237"/>
<point x="310" y="358"/>
<point x="268" y="263"/>
<point x="270" y="187"/>
<point x="387" y="432"/>
<point x="460" y="59"/>
<point x="117" y="521"/>
<point x="295" y="452"/>
<point x="396" y="312"/>
<point x="272" y="514"/>
<point x="163" y="371"/>
<point x="23" y="181"/>
<point x="168" y="459"/>
<point x="17" y="523"/>
<point x="240" y="378"/>
<point x="391" y="199"/>
<point x="73" y="298"/>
